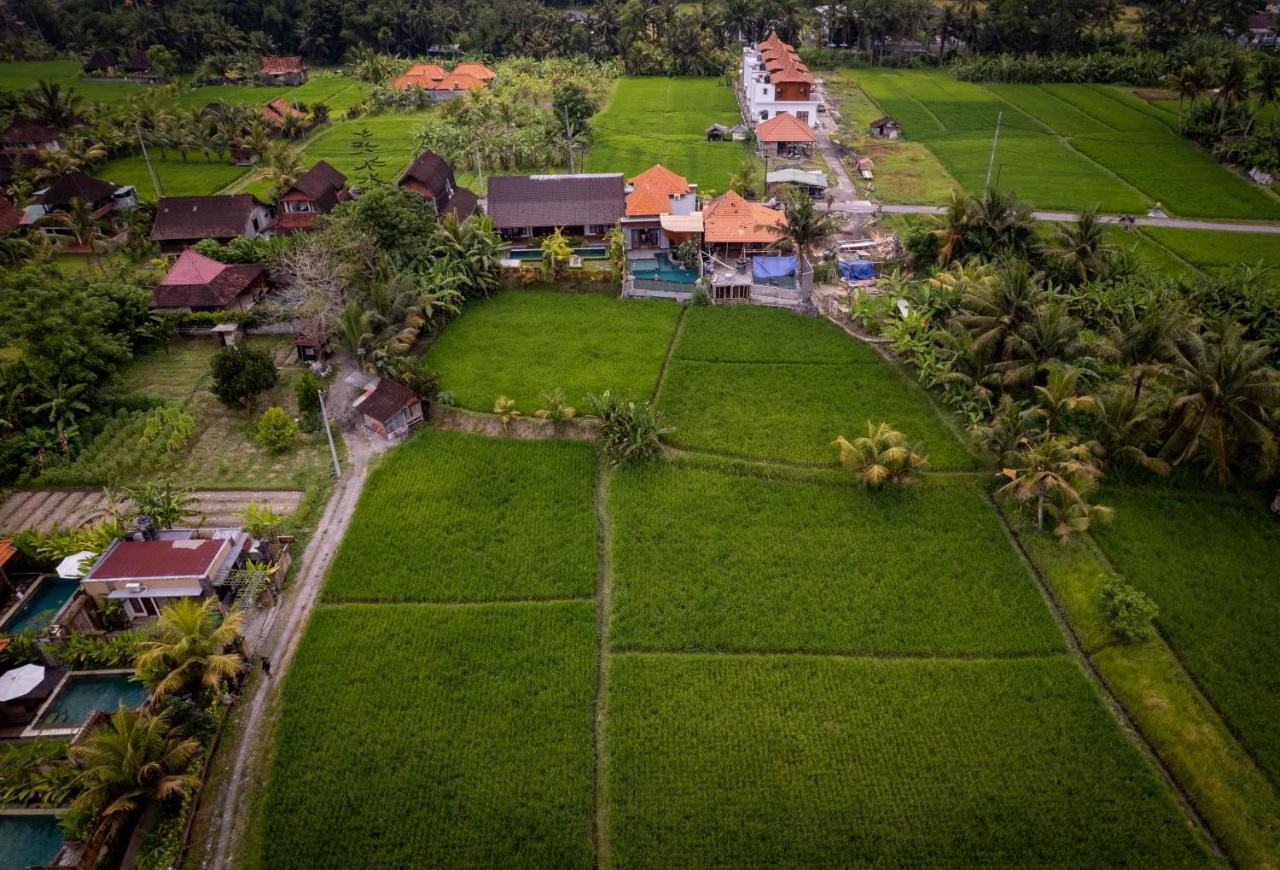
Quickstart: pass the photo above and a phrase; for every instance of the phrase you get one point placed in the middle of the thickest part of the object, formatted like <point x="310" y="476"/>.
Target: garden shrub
<point x="306" y="392"/>
<point x="168" y="428"/>
<point x="1130" y="611"/>
<point x="630" y="431"/>
<point x="240" y="373"/>
<point x="276" y="430"/>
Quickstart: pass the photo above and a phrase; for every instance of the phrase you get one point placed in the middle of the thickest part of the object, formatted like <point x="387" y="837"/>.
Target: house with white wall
<point x="775" y="80"/>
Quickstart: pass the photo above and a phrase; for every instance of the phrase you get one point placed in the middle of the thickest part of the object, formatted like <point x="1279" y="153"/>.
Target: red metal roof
<point x="149" y="560"/>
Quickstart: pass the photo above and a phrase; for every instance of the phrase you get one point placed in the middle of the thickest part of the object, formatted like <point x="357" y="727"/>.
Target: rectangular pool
<point x="27" y="839"/>
<point x="664" y="269"/>
<point x="82" y="693"/>
<point x="589" y="253"/>
<point x="44" y="599"/>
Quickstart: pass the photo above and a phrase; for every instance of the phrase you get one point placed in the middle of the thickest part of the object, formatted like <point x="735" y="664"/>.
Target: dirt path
<point x="277" y="639"/>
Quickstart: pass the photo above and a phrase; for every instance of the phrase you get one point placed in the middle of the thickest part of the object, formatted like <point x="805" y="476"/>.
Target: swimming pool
<point x="27" y="839"/>
<point x="665" y="269"/>
<point x="584" y="253"/>
<point x="82" y="693"/>
<point x="44" y="599"/>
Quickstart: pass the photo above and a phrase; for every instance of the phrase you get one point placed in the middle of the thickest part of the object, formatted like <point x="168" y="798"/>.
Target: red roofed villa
<point x="199" y="283"/>
<point x="661" y="211"/>
<point x="283" y="70"/>
<point x="420" y="75"/>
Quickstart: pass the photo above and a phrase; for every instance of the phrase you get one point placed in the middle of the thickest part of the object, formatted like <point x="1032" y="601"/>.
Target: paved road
<point x="1058" y="216"/>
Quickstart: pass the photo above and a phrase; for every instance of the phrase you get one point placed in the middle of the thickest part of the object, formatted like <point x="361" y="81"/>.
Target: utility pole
<point x="568" y="140"/>
<point x="333" y="451"/>
<point x="155" y="182"/>
<point x="992" y="162"/>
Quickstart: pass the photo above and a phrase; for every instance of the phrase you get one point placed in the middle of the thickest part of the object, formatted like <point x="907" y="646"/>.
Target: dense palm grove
<point x="1070" y="363"/>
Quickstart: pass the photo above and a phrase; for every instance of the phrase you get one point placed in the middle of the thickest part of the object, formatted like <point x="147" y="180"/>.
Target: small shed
<point x="885" y="127"/>
<point x="717" y="133"/>
<point x="311" y="350"/>
<point x="243" y="156"/>
<point x="389" y="409"/>
<point x="228" y="334"/>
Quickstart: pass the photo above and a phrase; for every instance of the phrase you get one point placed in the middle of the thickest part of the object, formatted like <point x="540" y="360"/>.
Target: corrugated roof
<point x="814" y="178"/>
<point x="153" y="560"/>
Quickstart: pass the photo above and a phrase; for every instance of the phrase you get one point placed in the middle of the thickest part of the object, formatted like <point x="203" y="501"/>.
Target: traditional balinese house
<point x="277" y="70"/>
<point x="275" y="112"/>
<point x="784" y="135"/>
<point x="164" y="566"/>
<point x="199" y="283"/>
<point x="653" y="195"/>
<point x="314" y="193"/>
<point x="101" y="62"/>
<point x="431" y="177"/>
<point x="420" y="75"/>
<point x="140" y="67"/>
<point x="22" y="142"/>
<point x="181" y="221"/>
<point x="734" y="230"/>
<point x="389" y="409"/>
<point x="885" y="127"/>
<point x="526" y="207"/>
<point x="102" y="197"/>
<point x="775" y="79"/>
<point x="453" y="85"/>
<point x="477" y="71"/>
<point x="242" y="155"/>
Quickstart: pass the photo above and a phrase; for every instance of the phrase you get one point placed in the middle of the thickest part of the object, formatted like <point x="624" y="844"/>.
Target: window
<point x="597" y="229"/>
<point x="802" y="116"/>
<point x="764" y="116"/>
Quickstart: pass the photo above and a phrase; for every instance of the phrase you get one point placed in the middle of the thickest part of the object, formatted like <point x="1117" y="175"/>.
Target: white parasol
<point x="76" y="565"/>
<point x="21" y="681"/>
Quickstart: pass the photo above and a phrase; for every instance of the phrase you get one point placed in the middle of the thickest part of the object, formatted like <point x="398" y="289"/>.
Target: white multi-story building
<point x="775" y="80"/>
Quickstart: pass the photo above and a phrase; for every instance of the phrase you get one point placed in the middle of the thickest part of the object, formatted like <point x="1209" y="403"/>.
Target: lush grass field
<point x="757" y="761"/>
<point x="523" y="344"/>
<point x="195" y="176"/>
<point x="1215" y="250"/>
<point x="1064" y="146"/>
<point x="18" y="76"/>
<point x="457" y="517"/>
<point x="664" y="120"/>
<point x="393" y="134"/>
<point x="708" y="559"/>
<point x="415" y="736"/>
<point x="336" y="92"/>
<point x="794" y="384"/>
<point x="1211" y="566"/>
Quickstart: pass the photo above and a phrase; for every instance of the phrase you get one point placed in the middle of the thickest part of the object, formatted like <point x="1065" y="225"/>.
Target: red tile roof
<point x="646" y="201"/>
<point x="475" y="70"/>
<point x="458" y="82"/>
<point x="152" y="560"/>
<point x="784" y="127"/>
<point x="273" y="65"/>
<point x="730" y="219"/>
<point x="197" y="281"/>
<point x="662" y="180"/>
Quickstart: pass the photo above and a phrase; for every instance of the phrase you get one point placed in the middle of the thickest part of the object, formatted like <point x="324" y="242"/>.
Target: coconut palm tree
<point x="1083" y="248"/>
<point x="1233" y="86"/>
<point x="881" y="456"/>
<point x="1226" y="398"/>
<point x="1003" y="433"/>
<point x="189" y="648"/>
<point x="1126" y="427"/>
<point x="1060" y="395"/>
<point x="131" y="761"/>
<point x="995" y="314"/>
<point x="283" y="168"/>
<point x="1056" y="466"/>
<point x="355" y="328"/>
<point x="806" y="227"/>
<point x="48" y="103"/>
<point x="1265" y="88"/>
<point x="1145" y="335"/>
<point x="954" y="227"/>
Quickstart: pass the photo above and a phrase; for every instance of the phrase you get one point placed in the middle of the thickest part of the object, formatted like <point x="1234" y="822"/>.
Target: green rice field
<point x="508" y="519"/>
<point x="1219" y="604"/>
<point x="664" y="120"/>
<point x="1064" y="146"/>
<point x="195" y="176"/>
<point x="524" y="343"/>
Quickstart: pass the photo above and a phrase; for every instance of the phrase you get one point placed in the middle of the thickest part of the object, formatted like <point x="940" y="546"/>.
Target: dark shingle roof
<point x="463" y="204"/>
<point x="24" y="131"/>
<point x="137" y="62"/>
<point x="75" y="185"/>
<point x="318" y="181"/>
<point x="215" y="293"/>
<point x="10" y="216"/>
<point x="386" y="400"/>
<point x="432" y="171"/>
<point x="102" y="59"/>
<point x="556" y="200"/>
<point x="202" y="217"/>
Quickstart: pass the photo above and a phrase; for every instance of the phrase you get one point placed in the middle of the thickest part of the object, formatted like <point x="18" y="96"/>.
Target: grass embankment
<point x="524" y="343"/>
<point x="449" y="517"/>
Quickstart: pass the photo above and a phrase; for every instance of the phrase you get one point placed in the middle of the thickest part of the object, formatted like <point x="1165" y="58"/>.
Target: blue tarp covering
<point x="773" y="267"/>
<point x="856" y="270"/>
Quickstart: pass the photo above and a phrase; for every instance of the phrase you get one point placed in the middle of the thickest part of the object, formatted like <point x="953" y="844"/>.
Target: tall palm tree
<point x="132" y="761"/>
<point x="48" y="103"/>
<point x="1043" y="467"/>
<point x="1126" y="427"/>
<point x="1145" y="335"/>
<point x="954" y="227"/>
<point x="189" y="648"/>
<point x="995" y="314"/>
<point x="1233" y="86"/>
<point x="1265" y="88"/>
<point x="1083" y="247"/>
<point x="1226" y="398"/>
<point x="806" y="227"/>
<point x="1005" y="225"/>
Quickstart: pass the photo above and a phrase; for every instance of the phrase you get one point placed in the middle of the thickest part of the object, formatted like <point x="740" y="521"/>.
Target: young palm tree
<point x="283" y="168"/>
<point x="807" y="227"/>
<point x="745" y="181"/>
<point x="1055" y="466"/>
<point x="1083" y="247"/>
<point x="1004" y="432"/>
<point x="189" y="648"/>
<point x="1061" y="396"/>
<point x="128" y="763"/>
<point x="47" y="103"/>
<point x="1126" y="427"/>
<point x="954" y="227"/>
<point x="355" y="328"/>
<point x="1226" y="398"/>
<point x="882" y="455"/>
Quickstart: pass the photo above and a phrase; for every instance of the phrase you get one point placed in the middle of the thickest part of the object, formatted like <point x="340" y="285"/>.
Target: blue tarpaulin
<point x="773" y="267"/>
<point x="857" y="270"/>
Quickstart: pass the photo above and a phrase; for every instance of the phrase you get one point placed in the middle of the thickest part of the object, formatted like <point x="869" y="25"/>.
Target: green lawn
<point x="21" y="75"/>
<point x="421" y="736"/>
<point x="1063" y="146"/>
<point x="460" y="517"/>
<point x="708" y="559"/>
<point x="195" y="176"/>
<point x="664" y="120"/>
<point x="796" y="383"/>
<point x="764" y="762"/>
<point x="1211" y="566"/>
<point x="524" y="343"/>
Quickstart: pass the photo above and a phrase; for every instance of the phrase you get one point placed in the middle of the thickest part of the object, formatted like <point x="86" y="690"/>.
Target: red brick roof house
<point x="389" y="409"/>
<point x="431" y="177"/>
<point x="660" y="210"/>
<point x="315" y="192"/>
<point x="175" y="563"/>
<point x="476" y="71"/>
<point x="181" y="221"/>
<point x="455" y="84"/>
<point x="200" y="283"/>
<point x="420" y="75"/>
<point x="283" y="70"/>
<point x="101" y="61"/>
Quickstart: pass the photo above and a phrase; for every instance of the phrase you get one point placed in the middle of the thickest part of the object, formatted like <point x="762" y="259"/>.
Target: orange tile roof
<point x="430" y="70"/>
<point x="662" y="180"/>
<point x="730" y="219"/>
<point x="456" y="82"/>
<point x="475" y="70"/>
<point x="784" y="127"/>
<point x="646" y="202"/>
<point x="420" y="75"/>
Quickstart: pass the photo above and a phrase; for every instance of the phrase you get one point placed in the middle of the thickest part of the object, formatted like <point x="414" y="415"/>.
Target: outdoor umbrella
<point x="74" y="566"/>
<point x="21" y="681"/>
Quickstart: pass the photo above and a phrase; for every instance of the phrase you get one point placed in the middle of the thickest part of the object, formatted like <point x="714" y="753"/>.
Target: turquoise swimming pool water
<point x="664" y="270"/>
<point x="585" y="253"/>
<point x="84" y="693"/>
<point x="27" y="840"/>
<point x="41" y="605"/>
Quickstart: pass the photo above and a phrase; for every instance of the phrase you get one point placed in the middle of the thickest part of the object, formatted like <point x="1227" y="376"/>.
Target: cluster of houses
<point x="133" y="67"/>
<point x="440" y="85"/>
